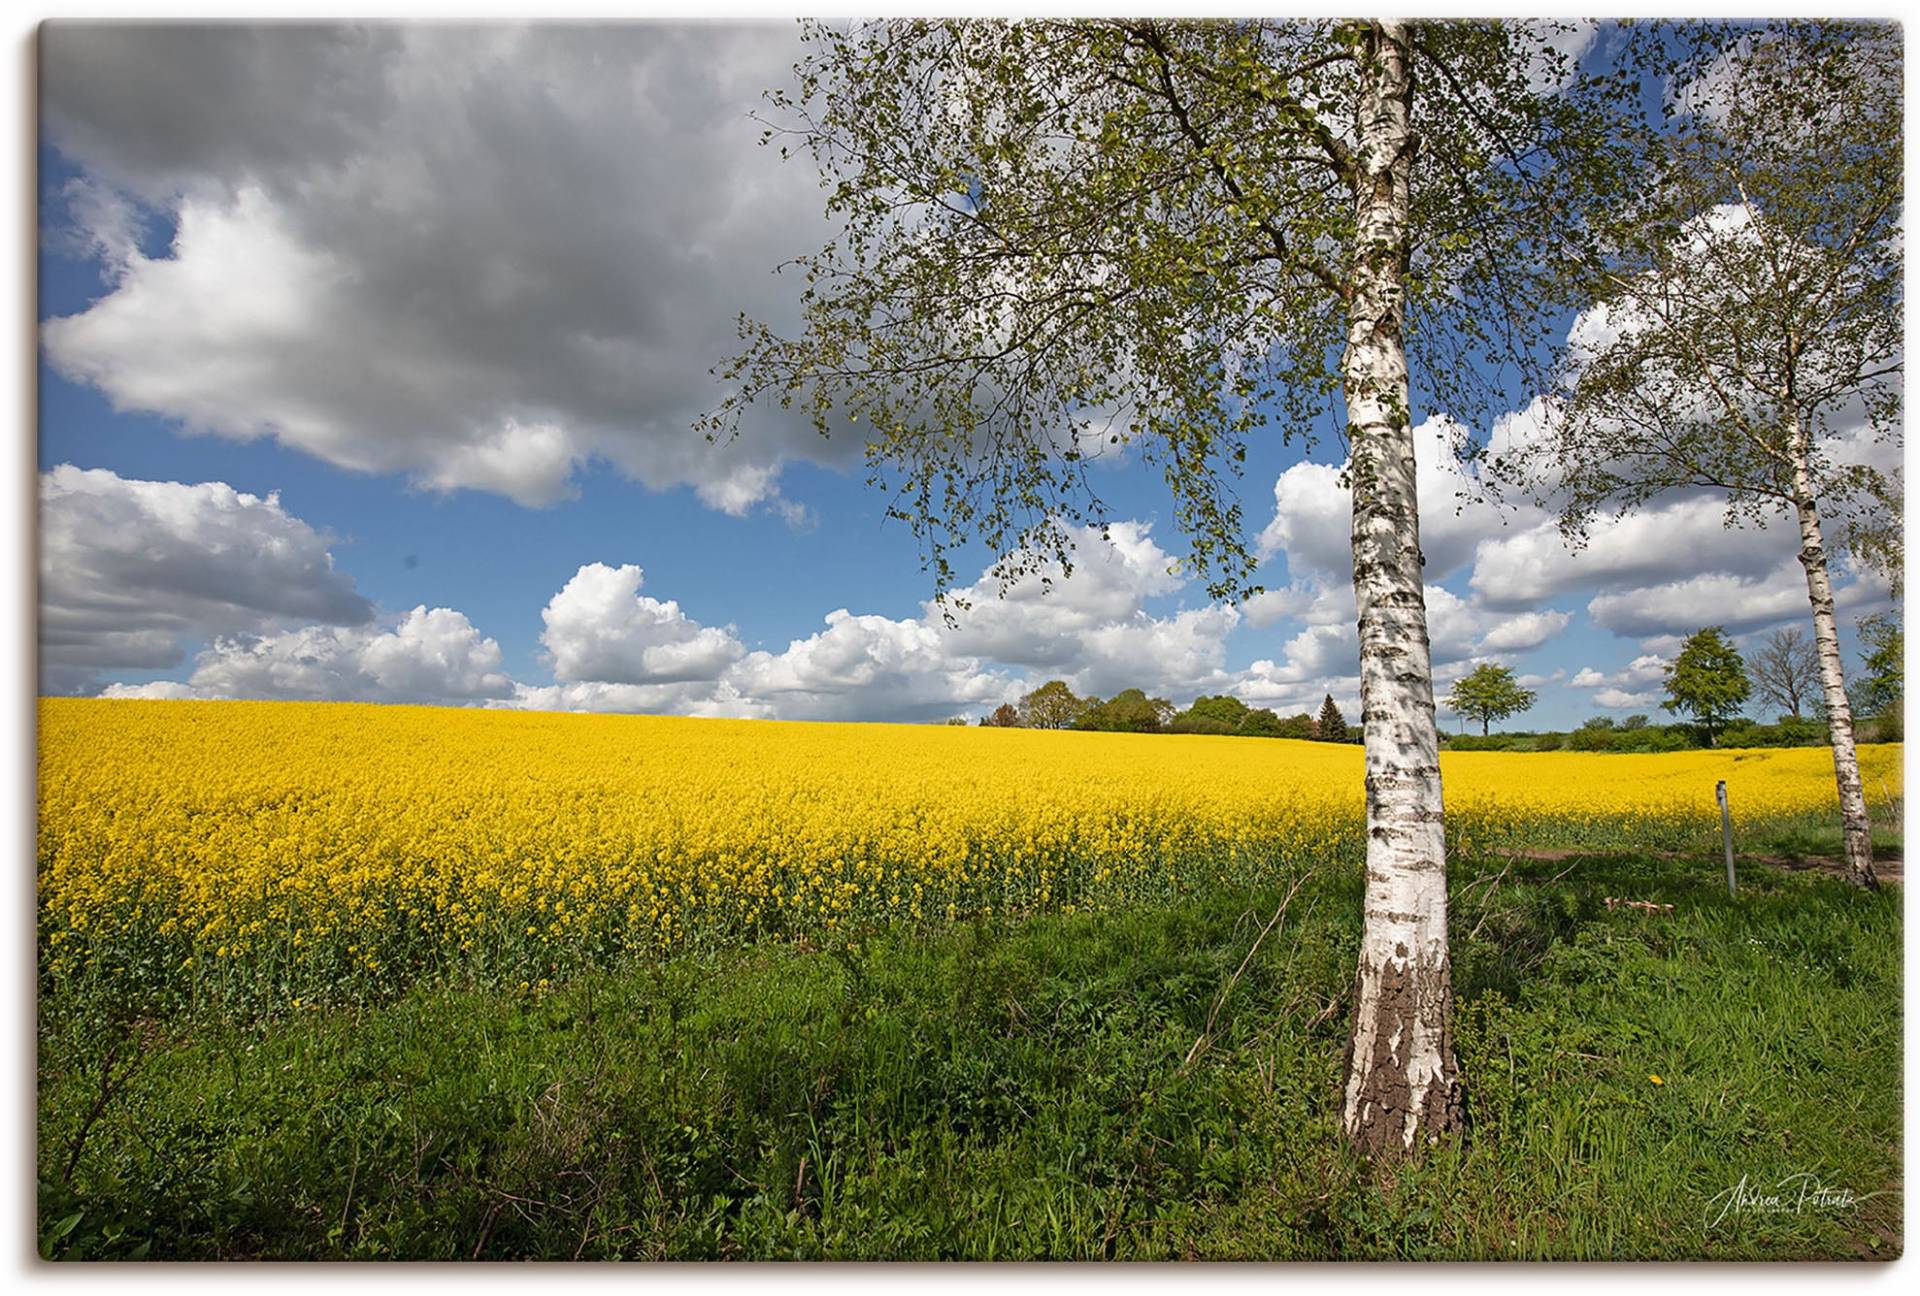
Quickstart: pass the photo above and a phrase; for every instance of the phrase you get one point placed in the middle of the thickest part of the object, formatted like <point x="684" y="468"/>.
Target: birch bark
<point x="1402" y="1078"/>
<point x="1854" y="825"/>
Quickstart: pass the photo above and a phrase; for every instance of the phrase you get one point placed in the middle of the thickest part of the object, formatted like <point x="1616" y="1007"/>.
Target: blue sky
<point x="340" y="325"/>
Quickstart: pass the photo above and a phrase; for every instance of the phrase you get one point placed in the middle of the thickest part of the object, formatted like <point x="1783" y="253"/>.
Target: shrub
<point x="1594" y="737"/>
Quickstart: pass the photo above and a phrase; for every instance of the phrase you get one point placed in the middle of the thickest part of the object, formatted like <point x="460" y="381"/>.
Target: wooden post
<point x="1726" y="829"/>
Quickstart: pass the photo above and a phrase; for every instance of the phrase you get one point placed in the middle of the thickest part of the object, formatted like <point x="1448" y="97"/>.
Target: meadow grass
<point x="1041" y="1087"/>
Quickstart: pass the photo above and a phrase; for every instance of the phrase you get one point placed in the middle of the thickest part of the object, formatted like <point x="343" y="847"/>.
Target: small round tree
<point x="1489" y="693"/>
<point x="1708" y="681"/>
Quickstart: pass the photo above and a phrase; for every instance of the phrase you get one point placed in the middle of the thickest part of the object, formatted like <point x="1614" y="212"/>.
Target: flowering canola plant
<point x="268" y="852"/>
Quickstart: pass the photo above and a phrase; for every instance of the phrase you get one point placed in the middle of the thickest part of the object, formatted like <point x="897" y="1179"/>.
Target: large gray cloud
<point x="476" y="256"/>
<point x="130" y="569"/>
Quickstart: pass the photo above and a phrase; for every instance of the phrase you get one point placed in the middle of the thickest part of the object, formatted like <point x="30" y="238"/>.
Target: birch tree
<point x="1069" y="241"/>
<point x="1748" y="336"/>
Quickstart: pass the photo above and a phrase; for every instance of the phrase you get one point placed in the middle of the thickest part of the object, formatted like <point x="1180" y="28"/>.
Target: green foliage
<point x="1021" y="1091"/>
<point x="1751" y="285"/>
<point x="1223" y="714"/>
<point x="1708" y="681"/>
<point x="1481" y="742"/>
<point x="1883" y="644"/>
<point x="1053" y="706"/>
<point x="1489" y="693"/>
<point x="1128" y="711"/>
<point x="1331" y="726"/>
<point x="1060" y="238"/>
<point x="1788" y="732"/>
<point x="1004" y="716"/>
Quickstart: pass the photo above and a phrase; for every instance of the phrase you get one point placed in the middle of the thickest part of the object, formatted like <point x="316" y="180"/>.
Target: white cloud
<point x="429" y="656"/>
<point x="1738" y="603"/>
<point x="645" y="699"/>
<point x="157" y="690"/>
<point x="866" y="667"/>
<point x="1524" y="632"/>
<point x="129" y="569"/>
<point x="476" y="256"/>
<point x="601" y="628"/>
<point x="1682" y="536"/>
<point x="1620" y="700"/>
<point x="1313" y="513"/>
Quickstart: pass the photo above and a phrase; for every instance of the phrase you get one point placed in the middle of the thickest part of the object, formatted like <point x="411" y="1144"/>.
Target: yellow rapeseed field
<point x="281" y="852"/>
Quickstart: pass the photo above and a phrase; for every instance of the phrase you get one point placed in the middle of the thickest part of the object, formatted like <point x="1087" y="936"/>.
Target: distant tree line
<point x="1708" y="682"/>
<point x="1054" y="705"/>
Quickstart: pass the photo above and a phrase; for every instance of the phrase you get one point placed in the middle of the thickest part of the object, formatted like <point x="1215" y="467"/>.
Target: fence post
<point x="1726" y="829"/>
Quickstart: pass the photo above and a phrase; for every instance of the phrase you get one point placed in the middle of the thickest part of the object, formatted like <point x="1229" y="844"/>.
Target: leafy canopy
<point x="1051" y="706"/>
<point x="1065" y="243"/>
<point x="1488" y="693"/>
<point x="1883" y="652"/>
<point x="1746" y="336"/>
<point x="1708" y="680"/>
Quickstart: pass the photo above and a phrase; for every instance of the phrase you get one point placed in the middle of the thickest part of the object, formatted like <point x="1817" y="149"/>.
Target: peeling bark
<point x="1402" y="1085"/>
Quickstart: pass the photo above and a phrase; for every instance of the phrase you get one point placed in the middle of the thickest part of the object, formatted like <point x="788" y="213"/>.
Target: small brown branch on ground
<point x="1645" y="906"/>
<point x="1326" y="1014"/>
<point x="1206" y="1032"/>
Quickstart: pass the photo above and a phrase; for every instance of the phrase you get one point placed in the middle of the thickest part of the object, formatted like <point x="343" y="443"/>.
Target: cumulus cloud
<point x="601" y="628"/>
<point x="1313" y="513"/>
<point x="614" y="649"/>
<point x="866" y="667"/>
<point x="1644" y="548"/>
<point x="1724" y="598"/>
<point x="1634" y="687"/>
<point x="130" y="569"/>
<point x="430" y="656"/>
<point x="477" y="256"/>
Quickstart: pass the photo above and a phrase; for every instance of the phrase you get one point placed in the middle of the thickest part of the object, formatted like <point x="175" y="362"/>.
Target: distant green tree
<point x="1708" y="681"/>
<point x="1211" y="715"/>
<point x="1634" y="722"/>
<point x="1296" y="726"/>
<point x="1051" y="706"/>
<point x="1489" y="693"/>
<point x="1128" y="711"/>
<point x="1332" y="726"/>
<point x="1883" y="645"/>
<point x="1260" y="722"/>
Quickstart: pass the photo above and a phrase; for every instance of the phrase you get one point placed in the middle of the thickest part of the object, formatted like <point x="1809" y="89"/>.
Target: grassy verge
<point x="1035" y="1090"/>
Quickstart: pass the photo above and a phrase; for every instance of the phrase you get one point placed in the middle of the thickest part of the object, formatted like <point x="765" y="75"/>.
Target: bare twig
<point x="1220" y="999"/>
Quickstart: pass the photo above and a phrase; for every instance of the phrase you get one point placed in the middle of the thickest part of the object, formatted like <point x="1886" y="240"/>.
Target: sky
<point x="369" y="363"/>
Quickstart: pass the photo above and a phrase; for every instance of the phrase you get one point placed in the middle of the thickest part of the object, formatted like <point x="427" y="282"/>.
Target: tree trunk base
<point x="1403" y="1090"/>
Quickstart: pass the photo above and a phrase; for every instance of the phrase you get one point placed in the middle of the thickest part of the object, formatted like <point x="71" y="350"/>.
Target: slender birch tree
<point x="1069" y="240"/>
<point x="1747" y="340"/>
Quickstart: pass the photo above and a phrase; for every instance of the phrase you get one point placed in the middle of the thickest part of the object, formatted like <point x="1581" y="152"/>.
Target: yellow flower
<point x="342" y="841"/>
<point x="1656" y="1079"/>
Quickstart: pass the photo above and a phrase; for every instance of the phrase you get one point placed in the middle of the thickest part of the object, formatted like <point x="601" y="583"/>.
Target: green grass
<point x="1020" y="1091"/>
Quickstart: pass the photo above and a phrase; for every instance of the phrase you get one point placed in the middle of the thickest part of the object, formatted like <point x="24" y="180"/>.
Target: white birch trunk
<point x="1402" y="1087"/>
<point x="1854" y="824"/>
